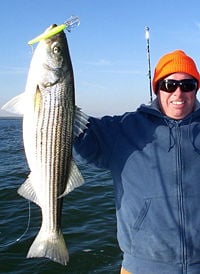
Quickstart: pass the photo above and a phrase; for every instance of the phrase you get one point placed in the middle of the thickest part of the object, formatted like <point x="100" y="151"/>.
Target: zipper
<point x="180" y="197"/>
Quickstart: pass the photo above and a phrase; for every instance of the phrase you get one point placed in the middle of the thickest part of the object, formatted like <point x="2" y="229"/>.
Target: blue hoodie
<point x="155" y="165"/>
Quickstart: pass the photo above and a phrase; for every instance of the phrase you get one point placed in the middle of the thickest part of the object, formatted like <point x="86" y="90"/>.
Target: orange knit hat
<point x="176" y="61"/>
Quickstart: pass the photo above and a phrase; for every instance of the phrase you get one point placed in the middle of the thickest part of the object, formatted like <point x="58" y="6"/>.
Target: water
<point x="88" y="221"/>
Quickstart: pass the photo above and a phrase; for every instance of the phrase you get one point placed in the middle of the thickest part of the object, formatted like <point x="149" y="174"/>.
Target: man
<point x="154" y="158"/>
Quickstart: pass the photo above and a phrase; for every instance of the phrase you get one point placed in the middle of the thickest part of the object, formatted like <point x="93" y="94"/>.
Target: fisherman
<point x="154" y="158"/>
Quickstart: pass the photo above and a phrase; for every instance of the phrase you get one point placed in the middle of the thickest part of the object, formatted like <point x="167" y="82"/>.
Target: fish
<point x="51" y="120"/>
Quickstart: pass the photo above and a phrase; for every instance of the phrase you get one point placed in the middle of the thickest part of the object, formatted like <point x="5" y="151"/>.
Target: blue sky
<point x="108" y="49"/>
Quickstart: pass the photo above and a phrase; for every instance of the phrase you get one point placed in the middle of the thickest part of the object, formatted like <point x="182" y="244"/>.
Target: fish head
<point x="51" y="60"/>
<point x="56" y="49"/>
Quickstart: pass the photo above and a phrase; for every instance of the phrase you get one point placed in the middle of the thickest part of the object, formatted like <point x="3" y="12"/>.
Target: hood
<point x="154" y="110"/>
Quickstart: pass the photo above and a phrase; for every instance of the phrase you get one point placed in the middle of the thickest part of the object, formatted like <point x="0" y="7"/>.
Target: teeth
<point x="178" y="103"/>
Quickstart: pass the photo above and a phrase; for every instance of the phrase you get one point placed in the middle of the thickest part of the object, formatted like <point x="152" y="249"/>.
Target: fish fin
<point x="16" y="104"/>
<point x="27" y="191"/>
<point x="80" y="122"/>
<point x="37" y="99"/>
<point x="20" y="103"/>
<point x="49" y="245"/>
<point x="75" y="179"/>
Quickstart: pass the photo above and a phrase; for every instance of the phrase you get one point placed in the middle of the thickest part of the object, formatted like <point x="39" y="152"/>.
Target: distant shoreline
<point x="11" y="117"/>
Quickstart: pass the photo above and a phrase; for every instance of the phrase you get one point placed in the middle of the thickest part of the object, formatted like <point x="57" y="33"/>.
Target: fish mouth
<point x="50" y="27"/>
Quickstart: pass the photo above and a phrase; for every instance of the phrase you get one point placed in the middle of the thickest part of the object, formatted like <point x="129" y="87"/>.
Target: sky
<point x="108" y="49"/>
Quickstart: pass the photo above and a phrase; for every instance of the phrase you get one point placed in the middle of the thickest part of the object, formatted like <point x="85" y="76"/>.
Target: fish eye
<point x="56" y="50"/>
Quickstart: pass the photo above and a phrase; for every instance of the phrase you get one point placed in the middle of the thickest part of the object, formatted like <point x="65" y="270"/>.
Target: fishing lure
<point x="72" y="22"/>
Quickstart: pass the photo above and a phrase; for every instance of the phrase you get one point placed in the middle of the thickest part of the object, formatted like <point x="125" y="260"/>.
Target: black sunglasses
<point x="170" y="85"/>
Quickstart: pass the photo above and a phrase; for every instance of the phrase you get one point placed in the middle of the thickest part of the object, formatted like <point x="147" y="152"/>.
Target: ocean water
<point x="88" y="220"/>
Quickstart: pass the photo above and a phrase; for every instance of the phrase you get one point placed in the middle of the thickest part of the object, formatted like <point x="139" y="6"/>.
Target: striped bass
<point x="49" y="119"/>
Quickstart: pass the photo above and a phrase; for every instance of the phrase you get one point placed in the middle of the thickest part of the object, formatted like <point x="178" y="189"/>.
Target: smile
<point x="177" y="102"/>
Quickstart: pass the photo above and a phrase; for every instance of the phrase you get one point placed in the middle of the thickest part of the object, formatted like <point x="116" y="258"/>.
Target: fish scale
<point x="54" y="155"/>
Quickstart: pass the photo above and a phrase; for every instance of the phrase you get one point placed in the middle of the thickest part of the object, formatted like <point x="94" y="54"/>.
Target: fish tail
<point x="49" y="245"/>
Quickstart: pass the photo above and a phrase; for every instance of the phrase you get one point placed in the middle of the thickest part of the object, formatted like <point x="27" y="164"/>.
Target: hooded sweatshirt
<point x="155" y="165"/>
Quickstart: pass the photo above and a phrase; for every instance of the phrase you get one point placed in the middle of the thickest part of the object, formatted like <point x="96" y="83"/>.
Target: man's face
<point x="177" y="104"/>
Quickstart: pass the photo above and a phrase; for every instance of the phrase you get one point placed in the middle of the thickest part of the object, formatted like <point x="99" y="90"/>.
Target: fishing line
<point x="25" y="231"/>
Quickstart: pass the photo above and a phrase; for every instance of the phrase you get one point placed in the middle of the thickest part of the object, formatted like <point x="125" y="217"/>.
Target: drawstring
<point x="191" y="136"/>
<point x="172" y="139"/>
<point x="189" y="133"/>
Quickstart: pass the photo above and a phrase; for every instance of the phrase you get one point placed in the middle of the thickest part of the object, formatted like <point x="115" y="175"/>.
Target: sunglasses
<point x="170" y="85"/>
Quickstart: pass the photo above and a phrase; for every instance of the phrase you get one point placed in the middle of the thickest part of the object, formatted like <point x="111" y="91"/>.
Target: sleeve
<point x="96" y="143"/>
